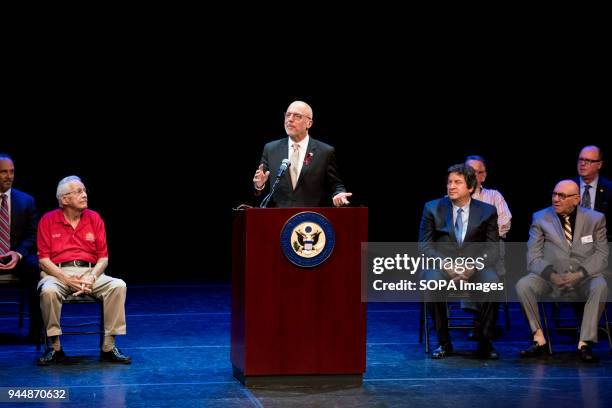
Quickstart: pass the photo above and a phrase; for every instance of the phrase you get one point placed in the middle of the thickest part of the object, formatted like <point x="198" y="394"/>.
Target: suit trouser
<point x="500" y="269"/>
<point x="594" y="290"/>
<point x="111" y="290"/>
<point x="486" y="316"/>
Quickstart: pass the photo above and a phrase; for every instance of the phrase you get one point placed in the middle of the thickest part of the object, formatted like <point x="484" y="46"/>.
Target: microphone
<point x="283" y="168"/>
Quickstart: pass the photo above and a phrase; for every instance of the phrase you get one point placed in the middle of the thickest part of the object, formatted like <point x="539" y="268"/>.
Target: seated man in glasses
<point x="567" y="254"/>
<point x="312" y="178"/>
<point x="595" y="189"/>
<point x="73" y="256"/>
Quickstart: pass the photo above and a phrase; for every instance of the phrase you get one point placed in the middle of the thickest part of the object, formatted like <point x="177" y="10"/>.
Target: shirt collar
<point x="592" y="183"/>
<point x="303" y="144"/>
<point x="465" y="208"/>
<point x="59" y="217"/>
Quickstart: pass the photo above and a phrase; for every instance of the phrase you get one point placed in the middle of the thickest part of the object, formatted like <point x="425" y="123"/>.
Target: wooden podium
<point x="293" y="324"/>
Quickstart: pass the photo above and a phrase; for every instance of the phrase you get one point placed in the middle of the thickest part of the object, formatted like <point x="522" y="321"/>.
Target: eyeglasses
<point x="562" y="196"/>
<point x="588" y="162"/>
<point x="297" y="116"/>
<point x="77" y="191"/>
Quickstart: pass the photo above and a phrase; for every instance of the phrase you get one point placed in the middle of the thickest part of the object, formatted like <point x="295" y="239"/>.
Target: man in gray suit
<point x="566" y="257"/>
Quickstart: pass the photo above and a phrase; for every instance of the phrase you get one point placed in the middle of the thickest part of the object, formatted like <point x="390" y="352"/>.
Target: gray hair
<point x="62" y="187"/>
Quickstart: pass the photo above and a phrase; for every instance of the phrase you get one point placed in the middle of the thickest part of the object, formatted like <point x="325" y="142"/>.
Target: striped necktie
<point x="567" y="229"/>
<point x="5" y="229"/>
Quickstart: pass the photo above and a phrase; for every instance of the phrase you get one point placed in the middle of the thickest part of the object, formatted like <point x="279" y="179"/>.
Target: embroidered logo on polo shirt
<point x="90" y="237"/>
<point x="56" y="235"/>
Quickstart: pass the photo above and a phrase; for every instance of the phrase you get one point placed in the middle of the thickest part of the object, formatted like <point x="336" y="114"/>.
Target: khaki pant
<point x="111" y="290"/>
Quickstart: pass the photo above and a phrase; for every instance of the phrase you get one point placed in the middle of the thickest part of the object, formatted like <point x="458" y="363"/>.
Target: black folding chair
<point x="72" y="328"/>
<point x="10" y="284"/>
<point x="558" y="320"/>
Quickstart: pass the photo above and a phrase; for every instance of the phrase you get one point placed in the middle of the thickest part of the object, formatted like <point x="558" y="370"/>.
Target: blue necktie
<point x="586" y="197"/>
<point x="459" y="226"/>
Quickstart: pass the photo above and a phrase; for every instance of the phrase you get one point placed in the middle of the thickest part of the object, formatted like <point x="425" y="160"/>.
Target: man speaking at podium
<point x="307" y="171"/>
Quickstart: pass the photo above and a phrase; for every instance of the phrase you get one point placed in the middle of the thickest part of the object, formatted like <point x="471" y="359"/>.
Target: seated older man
<point x="567" y="255"/>
<point x="73" y="256"/>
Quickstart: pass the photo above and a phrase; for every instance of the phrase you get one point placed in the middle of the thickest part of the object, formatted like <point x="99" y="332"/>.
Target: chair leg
<point x="426" y="321"/>
<point x="39" y="339"/>
<point x="555" y="313"/>
<point x="421" y="322"/>
<point x="607" y="328"/>
<point x="44" y="337"/>
<point x="40" y="328"/>
<point x="22" y="300"/>
<point x="546" y="330"/>
<point x="506" y="307"/>
<point x="101" y="324"/>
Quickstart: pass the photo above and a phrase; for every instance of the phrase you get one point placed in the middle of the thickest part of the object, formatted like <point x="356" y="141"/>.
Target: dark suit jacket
<point x="603" y="199"/>
<point x="24" y="219"/>
<point x="437" y="231"/>
<point x="318" y="181"/>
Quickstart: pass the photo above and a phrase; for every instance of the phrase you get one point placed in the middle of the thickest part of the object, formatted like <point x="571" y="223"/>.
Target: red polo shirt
<point x="58" y="241"/>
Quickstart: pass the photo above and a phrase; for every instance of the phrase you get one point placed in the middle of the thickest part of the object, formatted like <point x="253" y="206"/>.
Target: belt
<point x="75" y="263"/>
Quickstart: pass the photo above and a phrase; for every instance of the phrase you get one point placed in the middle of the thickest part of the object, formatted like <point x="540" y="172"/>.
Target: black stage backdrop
<point x="165" y="162"/>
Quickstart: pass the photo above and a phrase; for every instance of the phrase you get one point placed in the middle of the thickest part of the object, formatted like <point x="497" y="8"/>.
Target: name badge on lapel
<point x="586" y="239"/>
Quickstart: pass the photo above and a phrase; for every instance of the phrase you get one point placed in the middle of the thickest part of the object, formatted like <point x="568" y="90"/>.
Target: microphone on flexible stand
<point x="281" y="170"/>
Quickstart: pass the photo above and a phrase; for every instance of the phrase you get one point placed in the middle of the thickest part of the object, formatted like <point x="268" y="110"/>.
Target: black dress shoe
<point x="587" y="355"/>
<point x="487" y="351"/>
<point x="115" y="356"/>
<point x="52" y="357"/>
<point x="442" y="351"/>
<point x="535" y="350"/>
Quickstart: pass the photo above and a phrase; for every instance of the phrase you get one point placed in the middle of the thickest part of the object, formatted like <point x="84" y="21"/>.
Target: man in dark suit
<point x="312" y="179"/>
<point x="595" y="190"/>
<point x="566" y="257"/>
<point x="458" y="226"/>
<point x="18" y="219"/>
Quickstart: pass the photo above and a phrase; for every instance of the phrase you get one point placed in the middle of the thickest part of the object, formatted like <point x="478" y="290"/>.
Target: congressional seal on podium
<point x="307" y="239"/>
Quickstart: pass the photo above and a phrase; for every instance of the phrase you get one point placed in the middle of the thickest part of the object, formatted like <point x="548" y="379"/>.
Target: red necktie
<point x="5" y="229"/>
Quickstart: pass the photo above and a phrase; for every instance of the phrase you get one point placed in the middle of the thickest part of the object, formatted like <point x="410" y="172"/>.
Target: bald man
<point x="312" y="179"/>
<point x="566" y="257"/>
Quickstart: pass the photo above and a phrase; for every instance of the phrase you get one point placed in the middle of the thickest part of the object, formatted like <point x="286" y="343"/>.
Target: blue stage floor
<point x="178" y="337"/>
